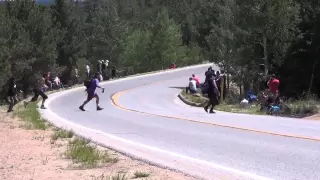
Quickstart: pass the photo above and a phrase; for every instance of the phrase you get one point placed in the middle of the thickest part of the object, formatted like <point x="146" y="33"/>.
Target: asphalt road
<point x="195" y="134"/>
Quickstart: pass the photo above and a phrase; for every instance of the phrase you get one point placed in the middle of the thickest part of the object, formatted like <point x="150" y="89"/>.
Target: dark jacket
<point x="12" y="91"/>
<point x="99" y="67"/>
<point x="211" y="87"/>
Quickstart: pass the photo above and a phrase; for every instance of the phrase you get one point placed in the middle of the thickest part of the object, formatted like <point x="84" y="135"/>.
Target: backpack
<point x="87" y="83"/>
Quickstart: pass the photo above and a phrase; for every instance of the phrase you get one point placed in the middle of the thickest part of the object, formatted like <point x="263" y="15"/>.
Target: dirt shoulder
<point x="34" y="154"/>
<point x="314" y="117"/>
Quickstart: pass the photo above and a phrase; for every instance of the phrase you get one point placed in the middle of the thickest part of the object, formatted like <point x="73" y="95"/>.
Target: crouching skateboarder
<point x="91" y="86"/>
<point x="39" y="91"/>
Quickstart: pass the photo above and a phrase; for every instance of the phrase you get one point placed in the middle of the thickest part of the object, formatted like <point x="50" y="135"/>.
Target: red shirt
<point x="197" y="80"/>
<point x="273" y="86"/>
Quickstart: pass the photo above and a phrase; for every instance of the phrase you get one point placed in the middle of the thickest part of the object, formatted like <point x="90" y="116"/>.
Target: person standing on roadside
<point x="48" y="82"/>
<point x="39" y="90"/>
<point x="76" y="75"/>
<point x="209" y="71"/>
<point x="213" y="93"/>
<point x="273" y="85"/>
<point x="113" y="72"/>
<point x="99" y="67"/>
<point x="88" y="70"/>
<point x="12" y="94"/>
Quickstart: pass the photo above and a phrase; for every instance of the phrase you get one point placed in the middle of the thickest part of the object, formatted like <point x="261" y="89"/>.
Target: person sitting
<point x="196" y="78"/>
<point x="251" y="97"/>
<point x="58" y="83"/>
<point x="192" y="88"/>
<point x="268" y="100"/>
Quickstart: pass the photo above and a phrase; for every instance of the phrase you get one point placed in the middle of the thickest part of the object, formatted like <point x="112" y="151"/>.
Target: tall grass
<point x="89" y="156"/>
<point x="31" y="116"/>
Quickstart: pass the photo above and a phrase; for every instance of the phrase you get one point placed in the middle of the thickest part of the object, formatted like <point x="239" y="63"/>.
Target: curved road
<point x="144" y="118"/>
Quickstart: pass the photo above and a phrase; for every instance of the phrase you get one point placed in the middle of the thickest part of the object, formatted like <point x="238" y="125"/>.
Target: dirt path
<point x="313" y="117"/>
<point x="31" y="155"/>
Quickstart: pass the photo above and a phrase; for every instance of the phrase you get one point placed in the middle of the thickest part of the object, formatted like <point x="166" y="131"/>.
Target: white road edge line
<point x="216" y="166"/>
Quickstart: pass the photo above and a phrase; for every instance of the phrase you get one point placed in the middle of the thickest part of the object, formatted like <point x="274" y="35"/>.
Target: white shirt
<point x="57" y="80"/>
<point x="88" y="68"/>
<point x="193" y="85"/>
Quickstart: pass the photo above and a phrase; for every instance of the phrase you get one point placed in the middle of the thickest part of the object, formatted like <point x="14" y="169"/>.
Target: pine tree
<point x="104" y="31"/>
<point x="166" y="43"/>
<point x="71" y="46"/>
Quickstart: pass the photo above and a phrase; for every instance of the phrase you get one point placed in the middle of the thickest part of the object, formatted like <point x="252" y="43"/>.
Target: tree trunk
<point x="228" y="68"/>
<point x="265" y="57"/>
<point x="312" y="77"/>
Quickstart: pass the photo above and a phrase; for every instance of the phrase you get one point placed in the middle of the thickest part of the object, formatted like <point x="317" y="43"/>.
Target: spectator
<point x="88" y="70"/>
<point x="57" y="82"/>
<point x="48" y="82"/>
<point x="99" y="67"/>
<point x="113" y="72"/>
<point x="217" y="74"/>
<point x="273" y="85"/>
<point x="76" y="75"/>
<point x="196" y="78"/>
<point x="12" y="94"/>
<point x="192" y="86"/>
<point x="103" y="65"/>
<point x="173" y="66"/>
<point x="210" y="72"/>
<point x="107" y="63"/>
<point x="212" y="92"/>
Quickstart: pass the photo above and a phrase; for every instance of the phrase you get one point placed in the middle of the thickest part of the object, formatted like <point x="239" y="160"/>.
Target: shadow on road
<point x="177" y="87"/>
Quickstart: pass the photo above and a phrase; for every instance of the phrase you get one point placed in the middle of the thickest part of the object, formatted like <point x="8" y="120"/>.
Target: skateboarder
<point x="92" y="85"/>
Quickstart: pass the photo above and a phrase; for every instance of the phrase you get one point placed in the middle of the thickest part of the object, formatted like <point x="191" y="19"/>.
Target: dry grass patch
<point x="140" y="174"/>
<point x="196" y="98"/>
<point x="237" y="108"/>
<point x="80" y="151"/>
<point x="61" y="133"/>
<point x="304" y="107"/>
